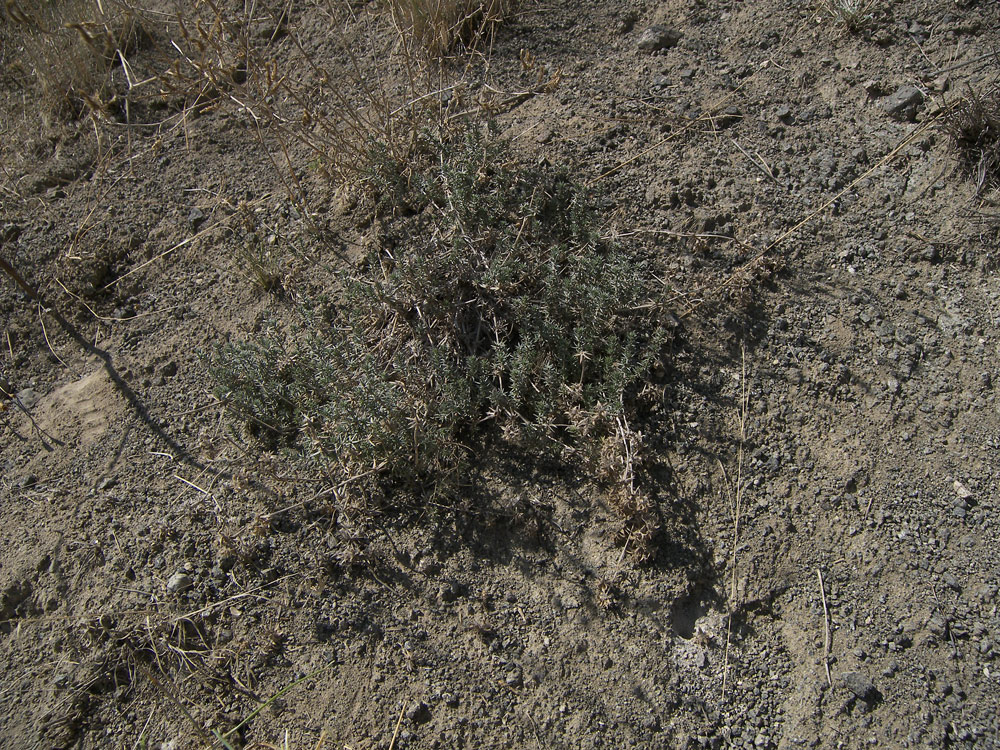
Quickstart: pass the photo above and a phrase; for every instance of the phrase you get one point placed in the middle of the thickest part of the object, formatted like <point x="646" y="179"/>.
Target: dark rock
<point x="873" y="88"/>
<point x="448" y="592"/>
<point x="784" y="114"/>
<point x="169" y="370"/>
<point x="628" y="21"/>
<point x="9" y="232"/>
<point x="903" y="103"/>
<point x="28" y="397"/>
<point x="196" y="218"/>
<point x="418" y="712"/>
<point x="657" y="38"/>
<point x="514" y="679"/>
<point x="728" y="117"/>
<point x="861" y="686"/>
<point x="12" y="597"/>
<point x="179" y="582"/>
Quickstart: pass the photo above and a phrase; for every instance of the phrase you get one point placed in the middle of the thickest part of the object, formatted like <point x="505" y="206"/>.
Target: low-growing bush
<point x="974" y="125"/>
<point x="489" y="309"/>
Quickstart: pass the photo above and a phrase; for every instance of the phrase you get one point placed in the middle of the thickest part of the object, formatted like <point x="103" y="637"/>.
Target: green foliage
<point x="489" y="307"/>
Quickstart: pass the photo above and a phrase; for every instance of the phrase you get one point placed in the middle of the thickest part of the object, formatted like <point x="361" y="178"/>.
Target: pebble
<point x="627" y="22"/>
<point x="9" y="232"/>
<point x="418" y="712"/>
<point x="657" y="38"/>
<point x="28" y="397"/>
<point x="861" y="685"/>
<point x="196" y="218"/>
<point x="179" y="582"/>
<point x="448" y="592"/>
<point x="937" y="625"/>
<point x="902" y="104"/>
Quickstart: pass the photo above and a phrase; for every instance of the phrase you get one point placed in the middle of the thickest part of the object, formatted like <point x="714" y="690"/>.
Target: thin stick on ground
<point x="395" y="732"/>
<point x="826" y="629"/>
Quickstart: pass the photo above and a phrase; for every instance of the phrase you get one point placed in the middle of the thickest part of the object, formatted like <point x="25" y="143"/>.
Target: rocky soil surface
<point x="827" y="569"/>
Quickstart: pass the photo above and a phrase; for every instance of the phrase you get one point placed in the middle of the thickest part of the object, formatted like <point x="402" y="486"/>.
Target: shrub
<point x="489" y="309"/>
<point x="974" y="125"/>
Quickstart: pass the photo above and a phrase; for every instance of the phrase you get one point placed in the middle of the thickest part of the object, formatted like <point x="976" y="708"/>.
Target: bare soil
<point x="826" y="569"/>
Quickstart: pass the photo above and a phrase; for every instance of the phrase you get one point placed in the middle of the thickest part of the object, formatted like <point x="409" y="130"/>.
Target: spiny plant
<point x="854" y="15"/>
<point x="488" y="310"/>
<point x="974" y="125"/>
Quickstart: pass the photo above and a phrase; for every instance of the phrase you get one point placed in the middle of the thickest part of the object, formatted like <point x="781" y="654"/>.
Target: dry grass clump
<point x="437" y="25"/>
<point x="974" y="125"/>
<point x="68" y="49"/>
<point x="853" y="15"/>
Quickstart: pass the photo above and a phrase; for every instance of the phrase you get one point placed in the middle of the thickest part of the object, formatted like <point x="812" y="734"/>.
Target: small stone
<point x="196" y="218"/>
<point x="514" y="679"/>
<point x="951" y="582"/>
<point x="28" y="397"/>
<point x="169" y="370"/>
<point x="628" y="21"/>
<point x="107" y="483"/>
<point x="418" y="712"/>
<point x="657" y="38"/>
<point x="784" y="114"/>
<point x="902" y="104"/>
<point x="448" y="592"/>
<point x="728" y="117"/>
<point x="179" y="582"/>
<point x="873" y="88"/>
<point x="861" y="685"/>
<point x="937" y="625"/>
<point x="10" y="232"/>
<point x="961" y="490"/>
